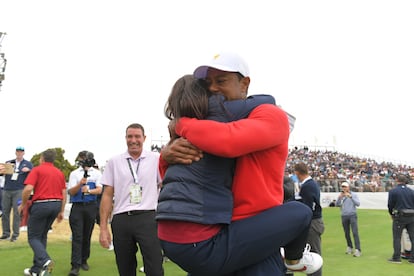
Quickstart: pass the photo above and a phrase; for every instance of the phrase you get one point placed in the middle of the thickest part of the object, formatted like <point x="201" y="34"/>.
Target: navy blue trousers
<point x="249" y="246"/>
<point x="41" y="217"/>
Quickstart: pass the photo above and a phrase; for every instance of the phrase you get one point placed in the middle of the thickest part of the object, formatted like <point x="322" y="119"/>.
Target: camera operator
<point x="84" y="186"/>
<point x="348" y="201"/>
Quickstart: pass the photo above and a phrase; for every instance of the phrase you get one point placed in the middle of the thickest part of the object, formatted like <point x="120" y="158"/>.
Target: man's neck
<point x="135" y="155"/>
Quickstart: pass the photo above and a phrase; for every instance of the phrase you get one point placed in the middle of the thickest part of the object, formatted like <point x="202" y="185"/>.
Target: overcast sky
<point x="80" y="71"/>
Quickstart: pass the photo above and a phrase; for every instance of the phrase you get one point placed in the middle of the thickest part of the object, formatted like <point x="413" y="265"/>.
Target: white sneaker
<point x="348" y="250"/>
<point x="26" y="272"/>
<point x="357" y="253"/>
<point x="310" y="262"/>
<point x="47" y="268"/>
<point x="141" y="269"/>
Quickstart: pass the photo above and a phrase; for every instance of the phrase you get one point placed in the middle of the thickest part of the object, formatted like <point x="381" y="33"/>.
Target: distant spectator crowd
<point x="331" y="168"/>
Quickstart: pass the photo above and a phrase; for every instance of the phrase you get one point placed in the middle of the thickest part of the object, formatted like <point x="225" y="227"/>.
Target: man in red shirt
<point x="260" y="224"/>
<point x="48" y="203"/>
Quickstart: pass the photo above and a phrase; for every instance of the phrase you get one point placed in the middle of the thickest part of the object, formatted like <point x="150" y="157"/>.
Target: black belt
<point x="406" y="212"/>
<point x="136" y="212"/>
<point x="84" y="203"/>
<point x="46" y="200"/>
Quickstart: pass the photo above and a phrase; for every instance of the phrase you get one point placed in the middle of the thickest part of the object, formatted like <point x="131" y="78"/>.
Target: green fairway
<point x="375" y="234"/>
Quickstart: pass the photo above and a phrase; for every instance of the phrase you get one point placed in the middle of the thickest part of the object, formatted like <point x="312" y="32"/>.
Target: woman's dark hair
<point x="188" y="98"/>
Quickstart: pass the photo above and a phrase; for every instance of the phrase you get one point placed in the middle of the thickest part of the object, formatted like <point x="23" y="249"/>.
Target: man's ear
<point x="245" y="82"/>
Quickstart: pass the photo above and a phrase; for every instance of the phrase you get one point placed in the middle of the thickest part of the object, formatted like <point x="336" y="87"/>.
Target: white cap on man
<point x="345" y="184"/>
<point x="226" y="61"/>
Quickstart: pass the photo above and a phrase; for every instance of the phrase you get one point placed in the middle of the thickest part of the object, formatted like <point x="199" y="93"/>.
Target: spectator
<point x="348" y="201"/>
<point x="328" y="166"/>
<point x="310" y="195"/>
<point x="12" y="193"/>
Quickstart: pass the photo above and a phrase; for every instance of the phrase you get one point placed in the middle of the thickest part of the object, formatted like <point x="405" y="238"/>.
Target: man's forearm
<point x="62" y="210"/>
<point x="25" y="195"/>
<point x="267" y="126"/>
<point x="105" y="210"/>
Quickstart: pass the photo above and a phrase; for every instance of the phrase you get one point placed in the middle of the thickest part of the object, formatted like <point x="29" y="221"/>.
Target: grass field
<point x="374" y="227"/>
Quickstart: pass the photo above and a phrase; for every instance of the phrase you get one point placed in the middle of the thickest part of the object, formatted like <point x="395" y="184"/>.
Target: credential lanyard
<point x="134" y="173"/>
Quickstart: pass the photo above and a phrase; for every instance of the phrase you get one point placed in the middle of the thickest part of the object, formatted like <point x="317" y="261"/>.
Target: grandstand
<point x="330" y="167"/>
<point x="377" y="158"/>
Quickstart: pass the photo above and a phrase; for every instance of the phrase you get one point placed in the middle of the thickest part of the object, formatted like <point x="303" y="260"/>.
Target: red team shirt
<point x="47" y="180"/>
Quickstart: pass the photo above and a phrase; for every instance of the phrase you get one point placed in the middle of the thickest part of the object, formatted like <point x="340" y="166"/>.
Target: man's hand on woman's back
<point x="180" y="151"/>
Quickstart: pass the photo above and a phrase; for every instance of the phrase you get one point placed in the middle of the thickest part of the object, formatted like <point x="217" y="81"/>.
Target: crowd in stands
<point x="331" y="168"/>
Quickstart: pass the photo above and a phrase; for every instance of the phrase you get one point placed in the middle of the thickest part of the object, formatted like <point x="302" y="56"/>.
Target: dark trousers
<point x="130" y="230"/>
<point x="349" y="223"/>
<point x="81" y="220"/>
<point x="41" y="217"/>
<point x="314" y="239"/>
<point x="1" y="199"/>
<point x="9" y="203"/>
<point x="249" y="246"/>
<point x="398" y="224"/>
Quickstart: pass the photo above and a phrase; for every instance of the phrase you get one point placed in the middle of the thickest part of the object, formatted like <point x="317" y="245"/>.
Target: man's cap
<point x="345" y="184"/>
<point x="19" y="148"/>
<point x="228" y="62"/>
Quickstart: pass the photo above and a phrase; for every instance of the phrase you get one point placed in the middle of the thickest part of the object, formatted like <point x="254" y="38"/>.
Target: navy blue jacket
<point x="201" y="192"/>
<point x="18" y="184"/>
<point x="399" y="198"/>
<point x="311" y="194"/>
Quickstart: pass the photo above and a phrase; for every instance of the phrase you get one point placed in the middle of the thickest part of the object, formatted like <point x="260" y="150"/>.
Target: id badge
<point x="135" y="193"/>
<point x="15" y="176"/>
